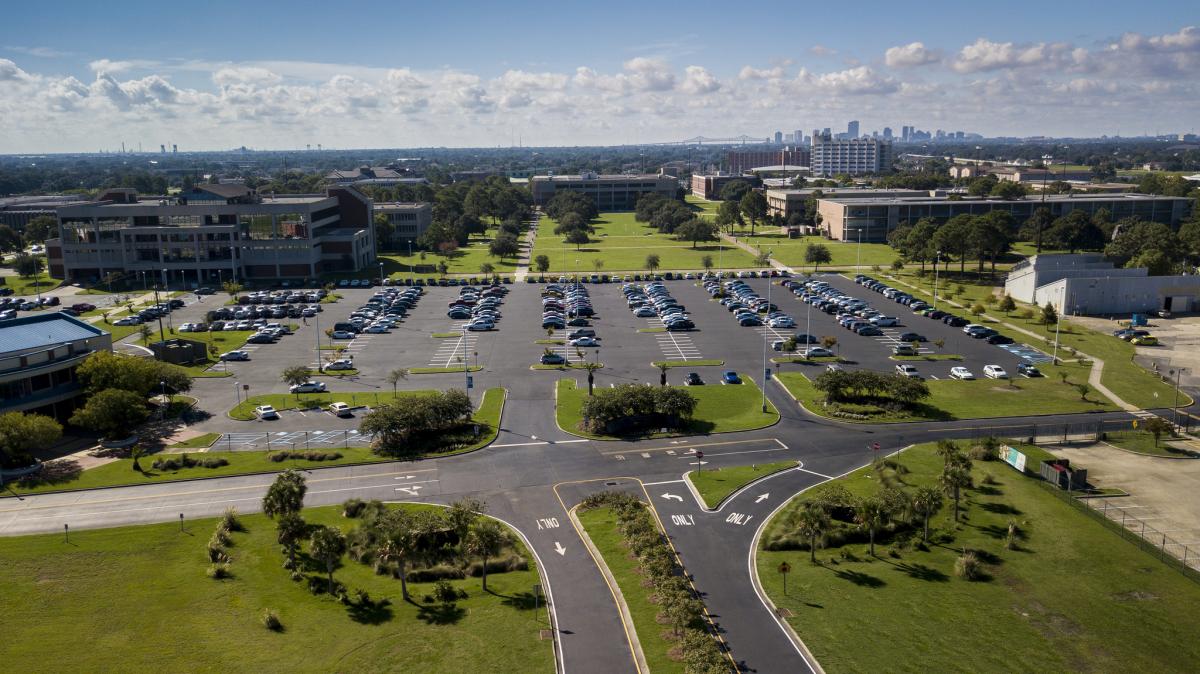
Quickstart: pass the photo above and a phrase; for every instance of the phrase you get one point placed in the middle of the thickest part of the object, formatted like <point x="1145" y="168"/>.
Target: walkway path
<point x="755" y="252"/>
<point x="526" y="253"/>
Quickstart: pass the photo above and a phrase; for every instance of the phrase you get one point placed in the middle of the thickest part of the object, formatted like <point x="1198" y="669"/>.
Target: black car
<point x="578" y="322"/>
<point x="955" y="321"/>
<point x="999" y="339"/>
<point x="1029" y="370"/>
<point x="693" y="379"/>
<point x="912" y="337"/>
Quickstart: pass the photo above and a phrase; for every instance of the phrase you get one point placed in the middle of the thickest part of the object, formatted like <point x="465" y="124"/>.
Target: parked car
<point x="730" y="377"/>
<point x="342" y="334"/>
<point x="308" y="387"/>
<point x="817" y="352"/>
<point x="1028" y="370"/>
<point x="1145" y="340"/>
<point x="265" y="412"/>
<point x="999" y="339"/>
<point x="583" y="341"/>
<point x="908" y="371"/>
<point x="961" y="373"/>
<point x="236" y="355"/>
<point x="693" y="379"/>
<point x="903" y="350"/>
<point x="340" y="409"/>
<point x="994" y="372"/>
<point x="341" y="364"/>
<point x="912" y="337"/>
<point x="128" y="320"/>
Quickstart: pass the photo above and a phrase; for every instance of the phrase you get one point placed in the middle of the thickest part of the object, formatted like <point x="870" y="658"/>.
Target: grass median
<point x="1068" y="595"/>
<point x="719" y="409"/>
<point x="708" y="362"/>
<point x="1141" y="442"/>
<point x="717" y="484"/>
<point x="136" y="599"/>
<point x="952" y="399"/>
<point x="444" y="370"/>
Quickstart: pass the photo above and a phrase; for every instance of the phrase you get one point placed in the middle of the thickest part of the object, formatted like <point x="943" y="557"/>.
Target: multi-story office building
<point x="709" y="187"/>
<point x="785" y="202"/>
<point x="16" y="211"/>
<point x="850" y="156"/>
<point x="38" y="357"/>
<point x="852" y="129"/>
<point x="214" y="233"/>
<point x="741" y="161"/>
<point x="408" y="220"/>
<point x="609" y="192"/>
<point x="845" y="219"/>
<point x="374" y="175"/>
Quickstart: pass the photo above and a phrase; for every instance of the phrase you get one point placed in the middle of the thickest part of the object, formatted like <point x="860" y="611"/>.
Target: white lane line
<point x="520" y="444"/>
<point x="813" y="472"/>
<point x="651" y="484"/>
<point x="748" y="451"/>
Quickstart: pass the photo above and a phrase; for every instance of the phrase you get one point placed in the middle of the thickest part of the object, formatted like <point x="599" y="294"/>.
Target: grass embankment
<point x="136" y="599"/>
<point x="1121" y="375"/>
<point x="198" y="442"/>
<point x="601" y="526"/>
<point x="621" y="244"/>
<point x="569" y="366"/>
<point x="978" y="399"/>
<point x="1071" y="596"/>
<point x="465" y="261"/>
<point x="446" y="335"/>
<point x="930" y="357"/>
<point x="706" y="362"/>
<point x="1142" y="442"/>
<point x="352" y="372"/>
<point x="30" y="286"/>
<point x="717" y="484"/>
<point x="719" y="409"/>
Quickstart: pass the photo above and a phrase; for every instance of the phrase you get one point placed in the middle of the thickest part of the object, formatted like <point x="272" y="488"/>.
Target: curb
<point x="721" y="504"/>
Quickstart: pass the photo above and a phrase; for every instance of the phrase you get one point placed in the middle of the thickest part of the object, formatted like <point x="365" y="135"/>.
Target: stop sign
<point x="699" y="455"/>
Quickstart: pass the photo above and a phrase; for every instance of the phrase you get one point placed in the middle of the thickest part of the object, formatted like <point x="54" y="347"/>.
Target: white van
<point x="339" y="409"/>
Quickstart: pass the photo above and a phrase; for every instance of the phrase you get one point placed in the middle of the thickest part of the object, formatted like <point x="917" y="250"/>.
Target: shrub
<point x="185" y="461"/>
<point x="270" y="620"/>
<point x="217" y="553"/>
<point x="968" y="566"/>
<point x="500" y="565"/>
<point x="1012" y="535"/>
<point x="444" y="592"/>
<point x="436" y="573"/>
<point x="353" y="507"/>
<point x="286" y="455"/>
<point x="229" y="520"/>
<point x="220" y="538"/>
<point x="214" y="462"/>
<point x="218" y="571"/>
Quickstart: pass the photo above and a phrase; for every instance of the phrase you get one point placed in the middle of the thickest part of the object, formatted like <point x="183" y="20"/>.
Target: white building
<point x="850" y="156"/>
<point x="1087" y="284"/>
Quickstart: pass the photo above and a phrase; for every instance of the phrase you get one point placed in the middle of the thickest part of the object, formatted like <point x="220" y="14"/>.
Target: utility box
<point x="1137" y="320"/>
<point x="1059" y="473"/>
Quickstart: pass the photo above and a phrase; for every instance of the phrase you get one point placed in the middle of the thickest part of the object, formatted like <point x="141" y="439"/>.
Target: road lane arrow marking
<point x="406" y="477"/>
<point x="763" y="497"/>
<point x="411" y="491"/>
<point x="558" y="547"/>
<point x="672" y="496"/>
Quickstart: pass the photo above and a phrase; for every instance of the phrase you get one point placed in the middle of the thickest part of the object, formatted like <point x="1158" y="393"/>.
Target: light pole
<point x="938" y="256"/>
<point x="317" y="337"/>
<point x="858" y="263"/>
<point x="380" y="273"/>
<point x="410" y="260"/>
<point x="807" y="329"/>
<point x="765" y="370"/>
<point x="1175" y="406"/>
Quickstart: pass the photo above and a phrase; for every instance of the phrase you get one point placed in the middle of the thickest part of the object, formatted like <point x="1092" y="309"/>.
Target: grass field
<point x="979" y="399"/>
<point x="622" y="244"/>
<point x="1121" y="375"/>
<point x="1143" y="443"/>
<point x="601" y="526"/>
<point x="136" y="599"/>
<point x="466" y="261"/>
<point x="717" y="484"/>
<point x="225" y="340"/>
<point x="689" y="363"/>
<point x="198" y="442"/>
<point x="30" y="286"/>
<point x="1072" y="596"/>
<point x="719" y="409"/>
<point x="844" y="253"/>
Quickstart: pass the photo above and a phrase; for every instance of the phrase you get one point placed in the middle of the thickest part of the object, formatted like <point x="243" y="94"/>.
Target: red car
<point x="82" y="307"/>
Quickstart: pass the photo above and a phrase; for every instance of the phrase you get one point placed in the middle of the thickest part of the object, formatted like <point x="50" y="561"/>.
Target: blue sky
<point x="272" y="74"/>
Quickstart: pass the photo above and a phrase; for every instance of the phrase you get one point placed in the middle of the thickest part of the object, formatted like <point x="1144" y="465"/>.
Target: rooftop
<point x="594" y="176"/>
<point x="43" y="330"/>
<point x="1050" y="198"/>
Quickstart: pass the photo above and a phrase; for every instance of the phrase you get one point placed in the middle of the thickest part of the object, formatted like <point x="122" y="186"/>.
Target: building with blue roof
<point x="38" y="357"/>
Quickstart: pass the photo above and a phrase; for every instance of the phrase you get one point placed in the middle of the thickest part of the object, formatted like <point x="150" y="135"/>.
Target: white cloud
<point x="698" y="80"/>
<point x="107" y="67"/>
<point x="10" y="71"/>
<point x="749" y="73"/>
<point x="855" y="81"/>
<point x="40" y="52"/>
<point x="1186" y="40"/>
<point x="984" y="55"/>
<point x="822" y="50"/>
<point x="244" y="75"/>
<point x="647" y="74"/>
<point x="910" y="55"/>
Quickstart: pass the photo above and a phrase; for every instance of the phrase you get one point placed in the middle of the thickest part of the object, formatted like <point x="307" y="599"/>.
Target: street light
<point x="935" y="277"/>
<point x="765" y="370"/>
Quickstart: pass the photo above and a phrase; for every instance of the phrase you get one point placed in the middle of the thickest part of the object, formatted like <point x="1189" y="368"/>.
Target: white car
<point x="994" y="372"/>
<point x="961" y="373"/>
<point x="128" y="320"/>
<point x="342" y="334"/>
<point x="480" y="326"/>
<point x="341" y="364"/>
<point x="186" y="327"/>
<point x="340" y="409"/>
<point x="236" y="355"/>
<point x="782" y="323"/>
<point x="584" y="341"/>
<point x="817" y="352"/>
<point x="909" y="371"/>
<point x="377" y="329"/>
<point x="308" y="387"/>
<point x="884" y="321"/>
<point x="265" y="412"/>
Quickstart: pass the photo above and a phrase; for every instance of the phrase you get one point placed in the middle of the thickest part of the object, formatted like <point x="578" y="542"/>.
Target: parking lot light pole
<point x="466" y="363"/>
<point x="317" y="337"/>
<point x="938" y="256"/>
<point x="764" y="345"/>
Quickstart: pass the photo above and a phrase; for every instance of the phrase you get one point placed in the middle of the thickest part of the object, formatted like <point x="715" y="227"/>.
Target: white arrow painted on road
<point x="411" y="491"/>
<point x="558" y="547"/>
<point x="406" y="477"/>
<point x="763" y="497"/>
<point x="672" y="496"/>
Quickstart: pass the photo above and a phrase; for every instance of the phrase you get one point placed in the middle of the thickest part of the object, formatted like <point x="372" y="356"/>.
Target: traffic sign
<point x="767" y="376"/>
<point x="1135" y="424"/>
<point x="470" y="382"/>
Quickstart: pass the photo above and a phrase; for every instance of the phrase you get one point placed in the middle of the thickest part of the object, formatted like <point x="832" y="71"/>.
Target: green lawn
<point x="979" y="399"/>
<point x="929" y="357"/>
<point x="688" y="363"/>
<point x="622" y="244"/>
<point x="200" y="441"/>
<point x="1144" y="443"/>
<point x="30" y="286"/>
<point x="466" y="260"/>
<point x="844" y="253"/>
<point x="1073" y="595"/>
<point x="719" y="409"/>
<point x="704" y="206"/>
<point x="601" y="526"/>
<point x="1121" y="375"/>
<point x="136" y="599"/>
<point x="717" y="484"/>
<point x="225" y="340"/>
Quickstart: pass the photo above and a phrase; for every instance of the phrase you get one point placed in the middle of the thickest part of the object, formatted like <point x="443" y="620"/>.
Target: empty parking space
<point x="677" y="346"/>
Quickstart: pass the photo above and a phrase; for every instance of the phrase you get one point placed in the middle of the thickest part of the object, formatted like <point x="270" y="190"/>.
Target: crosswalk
<point x="454" y="351"/>
<point x="677" y="346"/>
<point x="291" y="440"/>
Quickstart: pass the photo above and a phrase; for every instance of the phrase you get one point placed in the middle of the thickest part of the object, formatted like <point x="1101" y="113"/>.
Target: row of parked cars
<point x="746" y="306"/>
<point x="1136" y="336"/>
<point x="480" y="308"/>
<point x="382" y="312"/>
<point x="566" y="304"/>
<point x="653" y="300"/>
<point x="150" y="313"/>
<point x="922" y="308"/>
<point x="283" y="297"/>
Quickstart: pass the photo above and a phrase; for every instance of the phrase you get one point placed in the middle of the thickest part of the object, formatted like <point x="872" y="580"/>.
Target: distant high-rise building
<point x="824" y="132"/>
<point x="850" y="156"/>
<point x="740" y="161"/>
<point x="162" y="149"/>
<point x="174" y="148"/>
<point x="779" y="138"/>
<point x="887" y="133"/>
<point x="798" y="136"/>
<point x="852" y="129"/>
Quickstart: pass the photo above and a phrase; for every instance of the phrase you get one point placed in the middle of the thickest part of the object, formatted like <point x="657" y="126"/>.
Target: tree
<point x="926" y="501"/>
<point x="395" y="377"/>
<point x="754" y="206"/>
<point x="504" y="245"/>
<point x="577" y="237"/>
<point x="1006" y="189"/>
<point x="114" y="413"/>
<point x="734" y="190"/>
<point x="707" y="263"/>
<point x="954" y="238"/>
<point x="597" y="264"/>
<point x="817" y="254"/>
<point x="10" y="241"/>
<point x="1148" y="244"/>
<point x="28" y="266"/>
<point x="870" y="513"/>
<point x="395" y="425"/>
<point x="38" y="229"/>
<point x="294" y="374"/>
<point x="327" y="546"/>
<point x="442" y="267"/>
<point x="542" y="263"/>
<point x="696" y="229"/>
<point x="729" y="214"/>
<point x="487" y="269"/>
<point x="652" y="262"/>
<point x="289" y="531"/>
<point x="399" y="541"/>
<point x="812" y="522"/>
<point x="1049" y="315"/>
<point x="1158" y="427"/>
<point x="463" y="514"/>
<point x="591" y="370"/>
<point x="485" y="541"/>
<point x="285" y="496"/>
<point x="829" y="341"/>
<point x="23" y="432"/>
<point x="1007" y="305"/>
<point x="1075" y="231"/>
<point x="1035" y="227"/>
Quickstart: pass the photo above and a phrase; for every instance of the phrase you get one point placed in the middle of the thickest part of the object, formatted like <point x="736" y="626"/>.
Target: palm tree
<point x="870" y="512"/>
<point x="653" y="261"/>
<point x="926" y="501"/>
<point x="812" y="523"/>
<point x="662" y="373"/>
<point x="485" y="540"/>
<point x="398" y="544"/>
<point x="591" y="369"/>
<point x="285" y="495"/>
<point x="395" y="376"/>
<point x="955" y="477"/>
<point x="290" y="530"/>
<point x="327" y="546"/>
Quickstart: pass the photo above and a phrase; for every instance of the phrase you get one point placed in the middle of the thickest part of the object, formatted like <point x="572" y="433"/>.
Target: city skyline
<point x="274" y="80"/>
